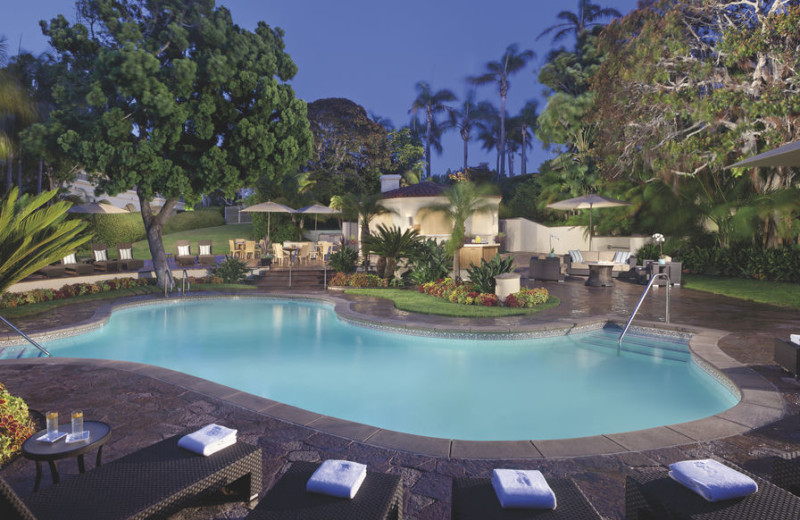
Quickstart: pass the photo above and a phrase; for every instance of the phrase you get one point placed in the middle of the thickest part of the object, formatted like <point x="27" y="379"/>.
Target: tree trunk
<point x="465" y="138"/>
<point x="510" y="163"/>
<point x="10" y="171"/>
<point x="457" y="265"/>
<point x="19" y="173"/>
<point x="39" y="176"/>
<point x="503" y="92"/>
<point x="153" y="225"/>
<point x="429" y="119"/>
<point x="524" y="167"/>
<point x="380" y="266"/>
<point x="390" y="268"/>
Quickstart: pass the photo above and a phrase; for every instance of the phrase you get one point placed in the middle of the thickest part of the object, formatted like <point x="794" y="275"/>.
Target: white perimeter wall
<point x="523" y="235"/>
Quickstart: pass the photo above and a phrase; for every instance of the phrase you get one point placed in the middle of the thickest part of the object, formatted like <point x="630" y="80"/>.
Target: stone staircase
<point x="302" y="278"/>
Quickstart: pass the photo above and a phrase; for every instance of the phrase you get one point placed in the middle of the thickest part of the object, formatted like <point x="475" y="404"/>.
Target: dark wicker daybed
<point x="380" y="497"/>
<point x="208" y="259"/>
<point x="654" y="495"/>
<point x="153" y="482"/>
<point x="475" y="498"/>
<point x="125" y="255"/>
<point x="786" y="472"/>
<point x="184" y="260"/>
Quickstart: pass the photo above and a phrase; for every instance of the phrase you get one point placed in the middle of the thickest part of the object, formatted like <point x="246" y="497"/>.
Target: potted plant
<point x="659" y="239"/>
<point x="552" y="249"/>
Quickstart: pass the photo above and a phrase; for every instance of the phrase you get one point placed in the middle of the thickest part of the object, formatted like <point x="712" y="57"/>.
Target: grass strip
<point x="32" y="309"/>
<point x="219" y="237"/>
<point x="413" y="301"/>
<point x="774" y="293"/>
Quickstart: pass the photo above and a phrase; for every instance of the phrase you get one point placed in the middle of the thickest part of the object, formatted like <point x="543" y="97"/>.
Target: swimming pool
<point x="301" y="354"/>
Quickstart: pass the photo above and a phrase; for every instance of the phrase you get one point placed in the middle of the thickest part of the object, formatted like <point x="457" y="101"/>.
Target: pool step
<point x="639" y="346"/>
<point x="301" y="279"/>
<point x="20" y="351"/>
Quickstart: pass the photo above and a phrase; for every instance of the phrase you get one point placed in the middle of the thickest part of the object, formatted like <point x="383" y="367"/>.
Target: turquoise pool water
<point x="301" y="354"/>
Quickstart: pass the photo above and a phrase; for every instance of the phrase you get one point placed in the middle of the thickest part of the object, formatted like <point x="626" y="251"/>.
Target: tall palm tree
<point x="575" y="23"/>
<point x="33" y="235"/>
<point x="489" y="131"/>
<point x="526" y="120"/>
<point x="16" y="111"/>
<point x="363" y="209"/>
<point x="498" y="72"/>
<point x="464" y="199"/>
<point x="432" y="103"/>
<point x="467" y="117"/>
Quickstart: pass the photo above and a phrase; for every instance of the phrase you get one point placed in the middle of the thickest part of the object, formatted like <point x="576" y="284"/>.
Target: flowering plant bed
<point x="356" y="280"/>
<point x="465" y="294"/>
<point x="11" y="300"/>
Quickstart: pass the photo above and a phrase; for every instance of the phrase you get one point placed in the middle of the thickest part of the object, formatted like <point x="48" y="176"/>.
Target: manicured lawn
<point x="36" y="308"/>
<point x="413" y="301"/>
<point x="219" y="237"/>
<point x="775" y="293"/>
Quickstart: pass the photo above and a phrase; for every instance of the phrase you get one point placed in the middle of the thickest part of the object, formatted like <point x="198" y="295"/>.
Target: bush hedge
<point x="776" y="265"/>
<point x="356" y="280"/>
<point x="113" y="229"/>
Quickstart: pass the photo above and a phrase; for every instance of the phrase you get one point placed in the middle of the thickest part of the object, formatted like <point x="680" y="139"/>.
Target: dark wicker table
<point x="653" y="495"/>
<point x="39" y="451"/>
<point x="600" y="275"/>
<point x="380" y="496"/>
<point x="475" y="498"/>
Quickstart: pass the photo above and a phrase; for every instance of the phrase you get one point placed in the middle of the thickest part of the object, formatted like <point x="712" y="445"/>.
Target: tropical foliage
<point x="390" y="244"/>
<point x="15" y="425"/>
<point x="429" y="261"/>
<point x="344" y="260"/>
<point x="231" y="270"/>
<point x="469" y="294"/>
<point x="33" y="235"/>
<point x="482" y="276"/>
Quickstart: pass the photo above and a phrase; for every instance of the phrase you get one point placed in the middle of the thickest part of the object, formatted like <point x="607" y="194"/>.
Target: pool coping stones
<point x="760" y="402"/>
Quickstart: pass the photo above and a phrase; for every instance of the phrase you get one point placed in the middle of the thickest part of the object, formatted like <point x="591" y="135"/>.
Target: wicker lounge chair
<point x="380" y="496"/>
<point x="125" y="255"/>
<point x="475" y="498"/>
<point x="153" y="482"/>
<point x="53" y="271"/>
<point x="786" y="472"/>
<point x="184" y="256"/>
<point x="655" y="495"/>
<point x="72" y="266"/>
<point x="101" y="261"/>
<point x="205" y="254"/>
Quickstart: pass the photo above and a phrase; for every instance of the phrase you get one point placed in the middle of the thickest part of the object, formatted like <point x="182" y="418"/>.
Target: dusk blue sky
<point x="373" y="52"/>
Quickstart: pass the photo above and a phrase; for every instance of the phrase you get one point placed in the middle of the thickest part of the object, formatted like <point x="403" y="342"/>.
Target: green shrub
<point x="112" y="229"/>
<point x="198" y="219"/>
<point x="429" y="262"/>
<point x="356" y="280"/>
<point x="483" y="276"/>
<point x="777" y="265"/>
<point x="15" y="425"/>
<point x="232" y="270"/>
<point x="344" y="260"/>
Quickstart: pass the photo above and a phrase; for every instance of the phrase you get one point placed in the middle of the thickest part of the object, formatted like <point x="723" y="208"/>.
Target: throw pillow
<point x="69" y="259"/>
<point x="100" y="256"/>
<point x="622" y="257"/>
<point x="183" y="250"/>
<point x="576" y="256"/>
<point x="125" y="254"/>
<point x="205" y="250"/>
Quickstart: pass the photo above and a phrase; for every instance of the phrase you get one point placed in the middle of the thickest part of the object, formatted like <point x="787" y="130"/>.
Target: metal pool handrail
<point x="30" y="340"/>
<point x="650" y="284"/>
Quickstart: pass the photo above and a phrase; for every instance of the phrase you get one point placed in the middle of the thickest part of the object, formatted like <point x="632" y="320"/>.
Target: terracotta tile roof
<point x="423" y="189"/>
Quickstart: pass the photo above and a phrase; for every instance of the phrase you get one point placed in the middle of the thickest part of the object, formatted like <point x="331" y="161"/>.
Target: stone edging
<point x="760" y="402"/>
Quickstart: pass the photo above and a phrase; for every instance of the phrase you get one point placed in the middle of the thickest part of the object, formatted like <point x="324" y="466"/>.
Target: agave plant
<point x="482" y="276"/>
<point x="33" y="235"/>
<point x="390" y="244"/>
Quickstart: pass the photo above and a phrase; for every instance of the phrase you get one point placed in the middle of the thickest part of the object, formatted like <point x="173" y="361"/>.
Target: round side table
<point x="50" y="452"/>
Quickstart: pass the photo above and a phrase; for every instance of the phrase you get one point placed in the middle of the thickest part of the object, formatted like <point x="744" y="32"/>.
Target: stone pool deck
<point x="144" y="404"/>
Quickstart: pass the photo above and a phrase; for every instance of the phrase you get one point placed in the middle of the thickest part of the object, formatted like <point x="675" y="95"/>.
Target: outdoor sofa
<point x="153" y="482"/>
<point x="654" y="495"/>
<point x="475" y="499"/>
<point x="581" y="268"/>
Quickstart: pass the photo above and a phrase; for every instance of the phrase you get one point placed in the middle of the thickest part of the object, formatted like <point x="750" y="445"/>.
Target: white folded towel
<point x="523" y="489"/>
<point x="794" y="338"/>
<point x="208" y="439"/>
<point x="712" y="480"/>
<point x="338" y="478"/>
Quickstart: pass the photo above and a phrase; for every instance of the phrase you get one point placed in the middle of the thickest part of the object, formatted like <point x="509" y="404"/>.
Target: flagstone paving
<point x="143" y="409"/>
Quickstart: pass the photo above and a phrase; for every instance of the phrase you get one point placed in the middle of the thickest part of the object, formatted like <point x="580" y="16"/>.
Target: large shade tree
<point x="170" y="97"/>
<point x="431" y="104"/>
<point x="512" y="61"/>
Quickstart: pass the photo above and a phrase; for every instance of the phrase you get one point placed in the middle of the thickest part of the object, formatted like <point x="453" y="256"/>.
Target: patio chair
<point x="475" y="498"/>
<point x="380" y="497"/>
<point x="249" y="249"/>
<point x="279" y="255"/>
<point x="304" y="252"/>
<point x="72" y="266"/>
<point x="184" y="257"/>
<point x="654" y="494"/>
<point x="125" y="255"/>
<point x="205" y="254"/>
<point x="101" y="261"/>
<point x="155" y="481"/>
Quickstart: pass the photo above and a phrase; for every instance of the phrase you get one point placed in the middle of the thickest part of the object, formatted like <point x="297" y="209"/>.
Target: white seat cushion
<point x="126" y="254"/>
<point x="205" y="250"/>
<point x="100" y="256"/>
<point x="69" y="259"/>
<point x="576" y="256"/>
<point x="183" y="250"/>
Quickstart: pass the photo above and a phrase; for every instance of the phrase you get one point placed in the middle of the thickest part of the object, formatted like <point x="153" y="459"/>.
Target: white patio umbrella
<point x="96" y="208"/>
<point x="269" y="208"/>
<point x="589" y="202"/>
<point x="318" y="209"/>
<point x="786" y="155"/>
